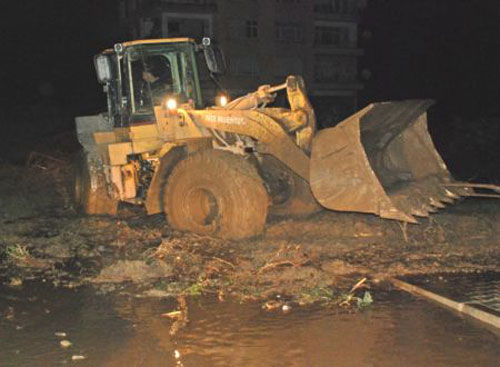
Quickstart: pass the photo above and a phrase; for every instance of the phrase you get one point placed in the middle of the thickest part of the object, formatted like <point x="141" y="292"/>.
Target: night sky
<point x="53" y="41"/>
<point x="441" y="49"/>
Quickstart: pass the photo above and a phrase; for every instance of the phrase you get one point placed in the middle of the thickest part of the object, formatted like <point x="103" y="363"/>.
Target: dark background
<point x="441" y="49"/>
<point x="53" y="42"/>
<point x="447" y="50"/>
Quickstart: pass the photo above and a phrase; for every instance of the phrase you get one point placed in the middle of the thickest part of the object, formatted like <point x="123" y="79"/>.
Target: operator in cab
<point x="156" y="80"/>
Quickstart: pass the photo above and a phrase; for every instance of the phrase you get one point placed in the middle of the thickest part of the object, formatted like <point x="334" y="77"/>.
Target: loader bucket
<point x="381" y="160"/>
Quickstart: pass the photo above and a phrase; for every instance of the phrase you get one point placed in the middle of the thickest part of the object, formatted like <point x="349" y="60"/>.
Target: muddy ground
<point x="314" y="259"/>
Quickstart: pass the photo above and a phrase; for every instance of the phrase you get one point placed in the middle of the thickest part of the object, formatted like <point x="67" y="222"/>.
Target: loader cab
<point x="140" y="75"/>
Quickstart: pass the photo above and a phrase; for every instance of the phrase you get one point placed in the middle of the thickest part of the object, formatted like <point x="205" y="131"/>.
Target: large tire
<point x="291" y="195"/>
<point x="87" y="199"/>
<point x="216" y="193"/>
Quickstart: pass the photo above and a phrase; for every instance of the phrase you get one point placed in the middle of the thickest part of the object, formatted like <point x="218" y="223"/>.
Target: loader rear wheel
<point x="216" y="193"/>
<point x="291" y="194"/>
<point x="88" y="199"/>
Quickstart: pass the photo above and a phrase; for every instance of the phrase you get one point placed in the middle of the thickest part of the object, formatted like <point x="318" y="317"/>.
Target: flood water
<point x="397" y="330"/>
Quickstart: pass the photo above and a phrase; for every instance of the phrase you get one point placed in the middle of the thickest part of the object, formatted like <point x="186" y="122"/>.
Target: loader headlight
<point x="171" y="104"/>
<point x="221" y="100"/>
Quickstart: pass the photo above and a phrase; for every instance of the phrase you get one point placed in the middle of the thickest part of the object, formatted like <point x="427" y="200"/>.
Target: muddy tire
<point x="291" y="195"/>
<point x="216" y="193"/>
<point x="88" y="199"/>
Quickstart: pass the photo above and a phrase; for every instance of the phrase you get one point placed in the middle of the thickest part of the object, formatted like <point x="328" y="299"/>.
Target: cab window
<point x="158" y="73"/>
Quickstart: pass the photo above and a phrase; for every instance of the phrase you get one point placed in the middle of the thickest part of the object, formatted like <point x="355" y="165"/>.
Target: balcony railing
<point x="336" y="45"/>
<point x="189" y="4"/>
<point x="328" y="77"/>
<point x="339" y="7"/>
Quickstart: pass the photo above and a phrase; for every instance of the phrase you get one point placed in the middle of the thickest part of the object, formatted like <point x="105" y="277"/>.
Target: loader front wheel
<point x="216" y="193"/>
<point x="90" y="194"/>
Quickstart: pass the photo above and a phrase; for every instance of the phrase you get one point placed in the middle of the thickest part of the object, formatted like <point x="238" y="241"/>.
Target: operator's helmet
<point x="159" y="66"/>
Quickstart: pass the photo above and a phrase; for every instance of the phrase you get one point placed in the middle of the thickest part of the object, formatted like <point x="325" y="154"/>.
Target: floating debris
<point x="365" y="301"/>
<point x="15" y="282"/>
<point x="9" y="313"/>
<point x="286" y="308"/>
<point x="272" y="305"/>
<point x="44" y="161"/>
<point x="180" y="317"/>
<point x="172" y="315"/>
<point x="65" y="343"/>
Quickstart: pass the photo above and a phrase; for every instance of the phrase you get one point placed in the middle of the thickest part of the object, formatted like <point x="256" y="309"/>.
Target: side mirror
<point x="215" y="60"/>
<point x="103" y="68"/>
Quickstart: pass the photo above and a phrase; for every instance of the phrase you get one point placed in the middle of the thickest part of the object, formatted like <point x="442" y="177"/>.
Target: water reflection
<point x="398" y="330"/>
<point x="410" y="332"/>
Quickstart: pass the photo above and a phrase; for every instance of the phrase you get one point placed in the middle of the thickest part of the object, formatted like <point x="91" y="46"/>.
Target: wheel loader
<point x="221" y="170"/>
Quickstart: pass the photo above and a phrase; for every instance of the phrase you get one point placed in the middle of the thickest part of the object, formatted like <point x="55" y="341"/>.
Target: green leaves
<point x="367" y="300"/>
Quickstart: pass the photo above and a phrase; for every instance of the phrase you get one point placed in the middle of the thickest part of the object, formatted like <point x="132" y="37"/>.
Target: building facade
<point x="266" y="40"/>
